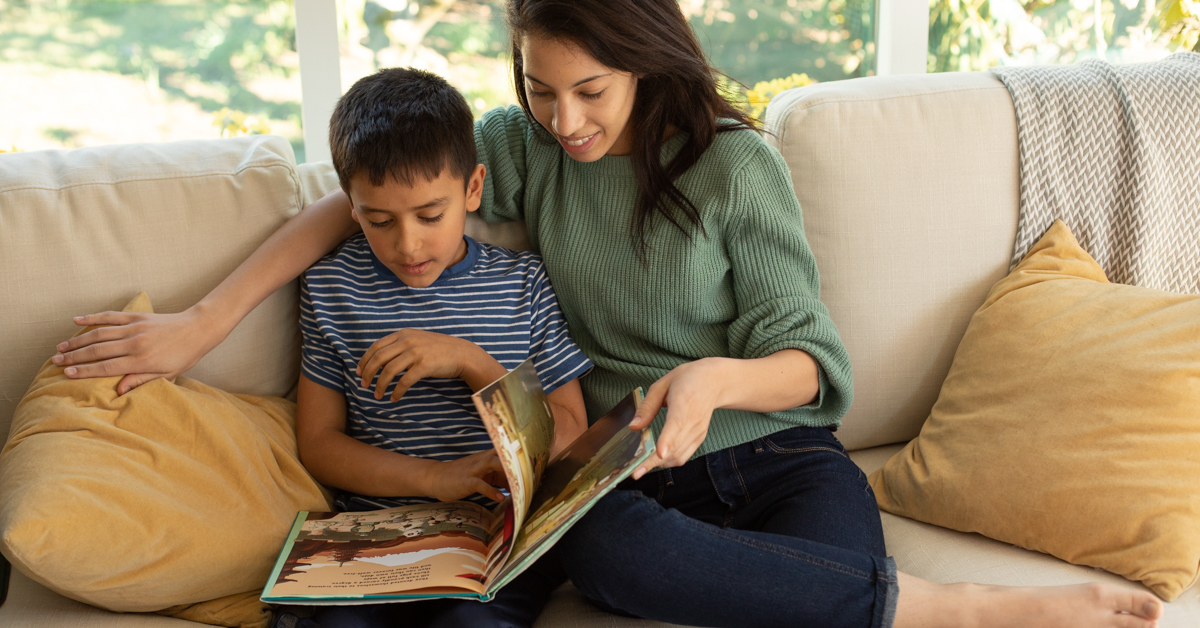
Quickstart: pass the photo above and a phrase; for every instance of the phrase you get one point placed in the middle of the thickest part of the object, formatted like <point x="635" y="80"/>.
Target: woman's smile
<point x="578" y="145"/>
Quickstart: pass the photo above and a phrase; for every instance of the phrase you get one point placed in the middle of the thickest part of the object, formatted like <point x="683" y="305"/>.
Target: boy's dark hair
<point x="401" y="122"/>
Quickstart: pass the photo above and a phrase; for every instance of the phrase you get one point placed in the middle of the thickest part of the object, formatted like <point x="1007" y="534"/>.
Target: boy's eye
<point x="593" y="96"/>
<point x="432" y="219"/>
<point x="380" y="225"/>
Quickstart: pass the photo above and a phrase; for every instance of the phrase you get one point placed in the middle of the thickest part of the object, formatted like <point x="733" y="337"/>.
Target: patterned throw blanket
<point x="1114" y="151"/>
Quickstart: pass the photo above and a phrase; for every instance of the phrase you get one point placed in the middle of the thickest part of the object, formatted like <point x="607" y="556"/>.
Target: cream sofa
<point x="909" y="187"/>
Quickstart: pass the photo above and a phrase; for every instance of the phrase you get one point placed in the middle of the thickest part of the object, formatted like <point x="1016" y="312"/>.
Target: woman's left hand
<point x="690" y="393"/>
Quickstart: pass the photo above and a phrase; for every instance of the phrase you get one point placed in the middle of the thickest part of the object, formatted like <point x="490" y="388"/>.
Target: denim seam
<point x="720" y="495"/>
<point x="738" y="473"/>
<point x="775" y="549"/>
<point x="781" y="450"/>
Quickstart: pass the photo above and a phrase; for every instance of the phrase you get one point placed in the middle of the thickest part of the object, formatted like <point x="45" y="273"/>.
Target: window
<point x="969" y="35"/>
<point x="76" y="73"/>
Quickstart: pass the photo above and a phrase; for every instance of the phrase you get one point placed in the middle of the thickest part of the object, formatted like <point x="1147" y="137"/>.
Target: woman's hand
<point x="690" y="393"/>
<point x="420" y="354"/>
<point x="142" y="347"/>
<point x="785" y="379"/>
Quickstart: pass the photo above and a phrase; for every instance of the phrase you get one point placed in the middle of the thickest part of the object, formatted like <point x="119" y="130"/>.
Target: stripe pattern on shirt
<point x="499" y="299"/>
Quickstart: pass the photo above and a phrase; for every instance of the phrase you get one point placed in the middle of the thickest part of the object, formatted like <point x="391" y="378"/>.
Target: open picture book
<point x="461" y="549"/>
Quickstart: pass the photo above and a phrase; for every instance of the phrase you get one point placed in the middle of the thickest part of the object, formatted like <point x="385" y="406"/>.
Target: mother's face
<point x="583" y="102"/>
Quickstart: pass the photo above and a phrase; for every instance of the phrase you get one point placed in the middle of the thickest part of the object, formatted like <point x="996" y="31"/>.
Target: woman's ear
<point x="475" y="187"/>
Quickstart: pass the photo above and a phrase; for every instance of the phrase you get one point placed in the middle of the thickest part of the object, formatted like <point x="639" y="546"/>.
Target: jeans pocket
<point x="798" y="440"/>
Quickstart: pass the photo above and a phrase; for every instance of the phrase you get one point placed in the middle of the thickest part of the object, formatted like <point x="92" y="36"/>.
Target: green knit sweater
<point x="747" y="290"/>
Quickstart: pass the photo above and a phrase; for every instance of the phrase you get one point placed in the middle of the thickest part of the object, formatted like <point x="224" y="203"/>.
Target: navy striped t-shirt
<point x="499" y="299"/>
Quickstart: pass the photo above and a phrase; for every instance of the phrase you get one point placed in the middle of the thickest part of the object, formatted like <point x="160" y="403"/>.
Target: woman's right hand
<point x="142" y="347"/>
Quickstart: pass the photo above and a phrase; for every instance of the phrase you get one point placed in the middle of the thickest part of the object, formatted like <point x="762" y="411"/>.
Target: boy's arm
<point x="337" y="459"/>
<point x="570" y="415"/>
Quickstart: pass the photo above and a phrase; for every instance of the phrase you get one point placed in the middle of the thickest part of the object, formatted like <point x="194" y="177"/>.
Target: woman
<point x="672" y="236"/>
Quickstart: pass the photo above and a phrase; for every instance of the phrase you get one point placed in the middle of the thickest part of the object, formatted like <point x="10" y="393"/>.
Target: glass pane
<point x="761" y="40"/>
<point x="969" y="35"/>
<point x="87" y="72"/>
<point x="466" y="40"/>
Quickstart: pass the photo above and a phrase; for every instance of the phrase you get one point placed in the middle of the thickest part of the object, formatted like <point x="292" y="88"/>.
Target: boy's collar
<point x="457" y="270"/>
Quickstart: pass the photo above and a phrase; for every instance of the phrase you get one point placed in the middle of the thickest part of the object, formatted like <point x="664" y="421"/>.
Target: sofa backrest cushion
<point x="909" y="190"/>
<point x="85" y="230"/>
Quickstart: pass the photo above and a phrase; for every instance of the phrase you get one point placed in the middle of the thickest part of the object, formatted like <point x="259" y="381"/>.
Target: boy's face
<point x="417" y="230"/>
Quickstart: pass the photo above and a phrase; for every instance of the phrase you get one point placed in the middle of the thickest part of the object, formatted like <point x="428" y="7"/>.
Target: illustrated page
<point x="518" y="419"/>
<point x="390" y="551"/>
<point x="590" y="467"/>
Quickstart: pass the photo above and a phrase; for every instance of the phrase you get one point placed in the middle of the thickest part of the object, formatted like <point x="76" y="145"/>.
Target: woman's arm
<point x="143" y="347"/>
<point x="690" y="392"/>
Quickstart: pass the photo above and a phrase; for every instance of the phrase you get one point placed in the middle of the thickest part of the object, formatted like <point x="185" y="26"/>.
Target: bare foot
<point x="924" y="604"/>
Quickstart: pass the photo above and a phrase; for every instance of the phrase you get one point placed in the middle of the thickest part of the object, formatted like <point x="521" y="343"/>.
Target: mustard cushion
<point x="174" y="494"/>
<point x="1069" y="423"/>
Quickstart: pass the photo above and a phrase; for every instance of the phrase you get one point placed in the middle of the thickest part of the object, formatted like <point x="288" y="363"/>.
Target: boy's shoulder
<point x="354" y="252"/>
<point x="497" y="260"/>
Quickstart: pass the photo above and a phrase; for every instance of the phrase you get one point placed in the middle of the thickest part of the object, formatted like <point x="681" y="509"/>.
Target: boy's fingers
<point x="371" y="350"/>
<point x="391" y="371"/>
<point x="379" y="360"/>
<point x="411" y="376"/>
<point x="487" y="490"/>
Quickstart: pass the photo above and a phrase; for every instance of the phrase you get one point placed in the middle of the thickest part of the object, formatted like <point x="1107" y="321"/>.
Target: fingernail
<point x="62" y="346"/>
<point x="71" y="370"/>
<point x="57" y="359"/>
<point x="78" y="318"/>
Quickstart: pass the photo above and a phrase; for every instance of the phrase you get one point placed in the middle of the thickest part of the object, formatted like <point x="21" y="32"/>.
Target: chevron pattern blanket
<point x="1114" y="151"/>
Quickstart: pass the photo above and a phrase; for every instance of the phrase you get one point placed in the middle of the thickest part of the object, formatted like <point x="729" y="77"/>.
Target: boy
<point x="435" y="315"/>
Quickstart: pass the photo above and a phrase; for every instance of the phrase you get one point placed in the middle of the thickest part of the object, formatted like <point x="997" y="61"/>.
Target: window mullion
<point x="320" y="72"/>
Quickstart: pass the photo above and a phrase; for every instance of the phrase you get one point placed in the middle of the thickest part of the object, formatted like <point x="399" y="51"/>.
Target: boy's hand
<point x="477" y="473"/>
<point x="419" y="354"/>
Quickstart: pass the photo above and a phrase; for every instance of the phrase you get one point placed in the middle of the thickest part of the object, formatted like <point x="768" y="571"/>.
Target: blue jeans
<point x="781" y="531"/>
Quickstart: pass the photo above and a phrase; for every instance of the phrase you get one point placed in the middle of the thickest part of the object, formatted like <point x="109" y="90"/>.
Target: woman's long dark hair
<point x="677" y="88"/>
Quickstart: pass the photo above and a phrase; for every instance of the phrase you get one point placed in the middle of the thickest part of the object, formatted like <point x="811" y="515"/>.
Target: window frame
<point x="902" y="41"/>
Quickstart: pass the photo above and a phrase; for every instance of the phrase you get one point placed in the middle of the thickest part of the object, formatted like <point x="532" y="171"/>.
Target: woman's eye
<point x="592" y="96"/>
<point x="432" y="219"/>
<point x="537" y="94"/>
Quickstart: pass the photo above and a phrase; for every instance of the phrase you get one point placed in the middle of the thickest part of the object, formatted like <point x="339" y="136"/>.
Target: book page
<point x="586" y="470"/>
<point x="389" y="551"/>
<point x="518" y="419"/>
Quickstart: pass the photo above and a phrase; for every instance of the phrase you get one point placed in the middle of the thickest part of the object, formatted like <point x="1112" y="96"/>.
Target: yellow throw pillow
<point x="1069" y="423"/>
<point x="173" y="494"/>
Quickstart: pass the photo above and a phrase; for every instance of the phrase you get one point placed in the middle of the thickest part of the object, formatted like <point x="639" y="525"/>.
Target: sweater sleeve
<point x="776" y="286"/>
<point x="501" y="137"/>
